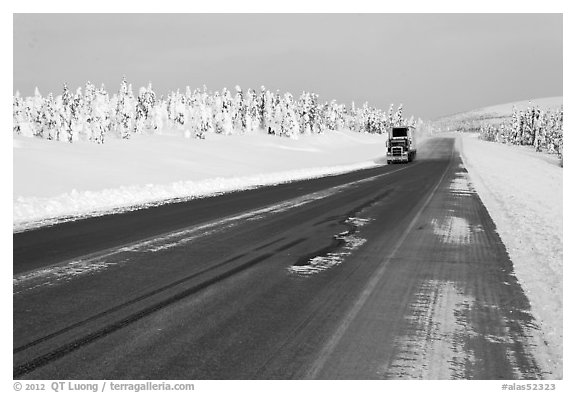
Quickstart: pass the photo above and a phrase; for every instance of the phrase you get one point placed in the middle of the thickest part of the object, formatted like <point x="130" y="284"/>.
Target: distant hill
<point x="506" y="109"/>
<point x="471" y="120"/>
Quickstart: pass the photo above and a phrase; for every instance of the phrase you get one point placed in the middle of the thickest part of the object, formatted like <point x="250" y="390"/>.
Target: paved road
<point x="394" y="272"/>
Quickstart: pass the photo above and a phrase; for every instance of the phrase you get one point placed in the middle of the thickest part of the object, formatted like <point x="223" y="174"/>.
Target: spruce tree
<point x="261" y="104"/>
<point x="227" y="123"/>
<point x="239" y="110"/>
<point x="123" y="114"/>
<point x="269" y="112"/>
<point x="390" y="120"/>
<point x="290" y="126"/>
<point x="398" y="119"/>
<point x="66" y="113"/>
<point x="36" y="113"/>
<point x="17" y="110"/>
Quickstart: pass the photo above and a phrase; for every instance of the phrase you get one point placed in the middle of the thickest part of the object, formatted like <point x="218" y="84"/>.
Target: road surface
<point x="396" y="272"/>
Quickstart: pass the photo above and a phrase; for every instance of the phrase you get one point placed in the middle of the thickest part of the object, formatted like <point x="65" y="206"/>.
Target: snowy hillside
<point x="506" y="109"/>
<point x="55" y="181"/>
<point x="473" y="120"/>
<point x="503" y="110"/>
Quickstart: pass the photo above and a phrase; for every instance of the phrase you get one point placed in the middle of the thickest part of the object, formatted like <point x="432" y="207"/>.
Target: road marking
<point x="336" y="337"/>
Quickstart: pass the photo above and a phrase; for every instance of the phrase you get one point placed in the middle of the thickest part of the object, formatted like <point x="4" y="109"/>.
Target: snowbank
<point x="522" y="190"/>
<point x="56" y="181"/>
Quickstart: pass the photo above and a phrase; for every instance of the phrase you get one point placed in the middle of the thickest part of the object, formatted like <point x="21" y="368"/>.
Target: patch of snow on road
<point x="59" y="273"/>
<point x="351" y="242"/>
<point x="435" y="346"/>
<point x="452" y="230"/>
<point x="459" y="185"/>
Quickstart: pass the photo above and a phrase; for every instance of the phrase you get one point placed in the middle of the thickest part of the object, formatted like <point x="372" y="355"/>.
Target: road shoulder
<point x="523" y="195"/>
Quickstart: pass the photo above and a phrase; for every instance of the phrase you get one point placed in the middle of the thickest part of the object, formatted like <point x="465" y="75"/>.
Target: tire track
<point x="74" y="345"/>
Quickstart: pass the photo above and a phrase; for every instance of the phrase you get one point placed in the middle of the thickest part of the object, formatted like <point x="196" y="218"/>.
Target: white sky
<point x="435" y="64"/>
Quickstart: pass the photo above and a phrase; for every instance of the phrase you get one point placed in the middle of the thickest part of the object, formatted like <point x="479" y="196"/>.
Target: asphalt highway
<point x="396" y="272"/>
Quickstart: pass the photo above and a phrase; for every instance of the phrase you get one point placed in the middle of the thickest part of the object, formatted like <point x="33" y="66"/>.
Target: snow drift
<point x="59" y="181"/>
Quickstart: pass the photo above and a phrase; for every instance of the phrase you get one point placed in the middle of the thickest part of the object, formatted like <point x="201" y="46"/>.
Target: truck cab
<point x="401" y="144"/>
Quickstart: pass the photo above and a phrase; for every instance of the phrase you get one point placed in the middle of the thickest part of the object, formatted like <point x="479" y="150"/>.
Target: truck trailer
<point x="401" y="144"/>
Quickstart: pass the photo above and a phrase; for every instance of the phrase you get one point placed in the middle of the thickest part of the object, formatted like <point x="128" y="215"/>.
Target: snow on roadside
<point x="56" y="181"/>
<point x="523" y="194"/>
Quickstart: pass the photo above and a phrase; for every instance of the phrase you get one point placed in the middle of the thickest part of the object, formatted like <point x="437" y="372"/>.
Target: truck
<point x="401" y="144"/>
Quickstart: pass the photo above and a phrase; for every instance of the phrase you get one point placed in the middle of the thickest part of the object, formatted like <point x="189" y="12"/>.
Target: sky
<point x="433" y="64"/>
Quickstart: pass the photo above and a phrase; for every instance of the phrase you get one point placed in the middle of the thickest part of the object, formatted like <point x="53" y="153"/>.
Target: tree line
<point x="542" y="129"/>
<point x="92" y="114"/>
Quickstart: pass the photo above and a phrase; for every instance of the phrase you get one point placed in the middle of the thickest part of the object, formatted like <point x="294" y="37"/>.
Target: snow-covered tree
<point x="261" y="105"/>
<point x="227" y="117"/>
<point x="144" y="120"/>
<point x="290" y="125"/>
<point x="49" y="119"/>
<point x="125" y="109"/>
<point x="101" y="116"/>
<point x="252" y="115"/>
<point x="35" y="104"/>
<point x="17" y="113"/>
<point x="269" y="112"/>
<point x="239" y="111"/>
<point x="398" y="119"/>
<point x="277" y="116"/>
<point x="88" y="111"/>
<point x="65" y="112"/>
